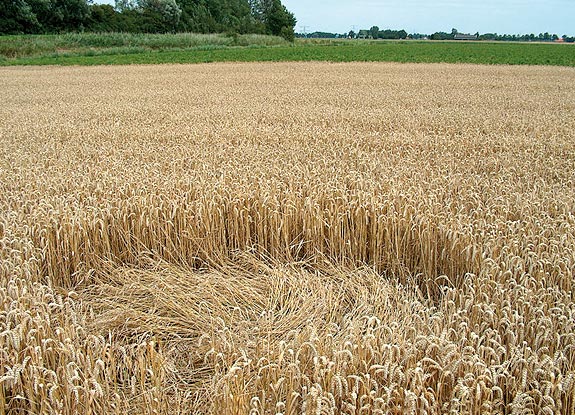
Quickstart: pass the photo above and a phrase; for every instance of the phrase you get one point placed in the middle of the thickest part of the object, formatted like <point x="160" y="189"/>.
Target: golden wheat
<point x="287" y="238"/>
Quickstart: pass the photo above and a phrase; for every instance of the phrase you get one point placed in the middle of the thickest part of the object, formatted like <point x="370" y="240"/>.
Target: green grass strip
<point x="346" y="51"/>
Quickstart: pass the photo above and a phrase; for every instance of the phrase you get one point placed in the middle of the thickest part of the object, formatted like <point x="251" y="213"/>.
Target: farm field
<point x="124" y="48"/>
<point x="287" y="238"/>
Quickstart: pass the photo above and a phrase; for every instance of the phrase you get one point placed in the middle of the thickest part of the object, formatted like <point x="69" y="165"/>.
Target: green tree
<point x="275" y="17"/>
<point x="62" y="15"/>
<point x="204" y="16"/>
<point x="208" y="16"/>
<point x="125" y="5"/>
<point x="280" y="21"/>
<point x="374" y="32"/>
<point x="103" y="18"/>
<point x="42" y="16"/>
<point x="160" y="15"/>
<point x="17" y="16"/>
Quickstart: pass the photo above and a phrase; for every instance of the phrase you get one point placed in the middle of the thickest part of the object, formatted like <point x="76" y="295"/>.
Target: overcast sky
<point x="428" y="16"/>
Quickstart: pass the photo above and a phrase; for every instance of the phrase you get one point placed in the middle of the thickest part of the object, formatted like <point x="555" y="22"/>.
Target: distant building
<point x="464" y="36"/>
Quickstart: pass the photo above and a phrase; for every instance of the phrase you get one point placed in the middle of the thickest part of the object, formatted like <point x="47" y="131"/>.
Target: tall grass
<point x="86" y="43"/>
<point x="287" y="238"/>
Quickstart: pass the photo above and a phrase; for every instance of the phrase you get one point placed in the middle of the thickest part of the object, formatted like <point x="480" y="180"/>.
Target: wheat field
<point x="287" y="238"/>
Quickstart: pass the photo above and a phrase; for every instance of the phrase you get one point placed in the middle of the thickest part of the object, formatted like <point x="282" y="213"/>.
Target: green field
<point x="114" y="49"/>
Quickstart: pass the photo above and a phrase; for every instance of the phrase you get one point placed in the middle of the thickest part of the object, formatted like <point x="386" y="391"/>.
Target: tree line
<point x="147" y="16"/>
<point x="542" y="37"/>
<point x="375" y="33"/>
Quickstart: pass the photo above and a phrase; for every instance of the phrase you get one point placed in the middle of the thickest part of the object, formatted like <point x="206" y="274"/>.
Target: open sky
<point x="428" y="16"/>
